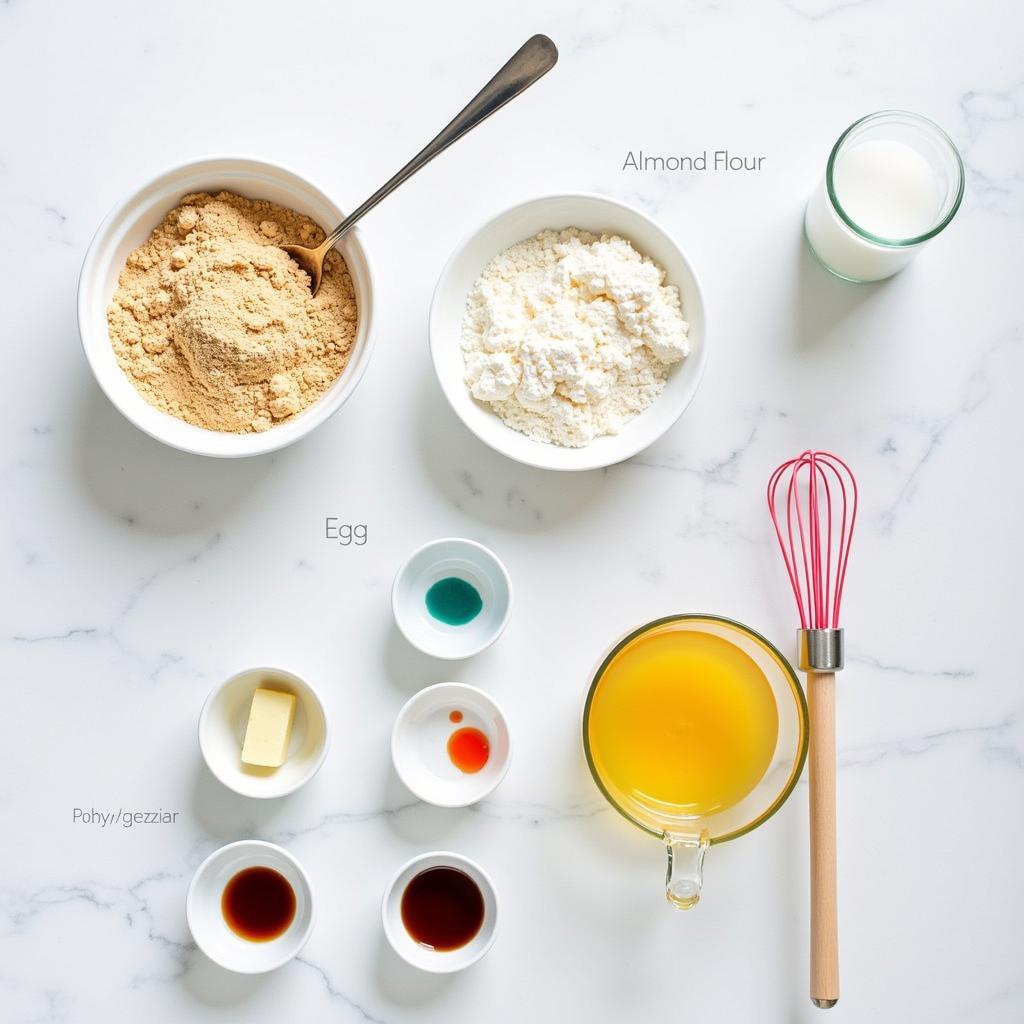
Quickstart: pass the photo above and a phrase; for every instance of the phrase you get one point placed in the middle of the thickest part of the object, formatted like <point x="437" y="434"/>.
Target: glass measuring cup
<point x="688" y="829"/>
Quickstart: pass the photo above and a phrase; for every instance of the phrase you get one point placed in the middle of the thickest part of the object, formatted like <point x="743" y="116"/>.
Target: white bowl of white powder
<point x="568" y="332"/>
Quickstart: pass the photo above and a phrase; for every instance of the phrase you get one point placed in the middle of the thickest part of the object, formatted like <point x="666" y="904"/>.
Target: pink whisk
<point x="813" y="504"/>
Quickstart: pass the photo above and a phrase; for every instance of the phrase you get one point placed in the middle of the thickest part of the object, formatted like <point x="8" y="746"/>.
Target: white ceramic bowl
<point x="463" y="559"/>
<point x="593" y="213"/>
<point x="419" y="744"/>
<point x="130" y="223"/>
<point x="211" y="931"/>
<point x="222" y="731"/>
<point x="437" y="961"/>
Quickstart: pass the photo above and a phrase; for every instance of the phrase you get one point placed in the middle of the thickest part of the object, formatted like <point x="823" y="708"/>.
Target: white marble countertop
<point x="136" y="578"/>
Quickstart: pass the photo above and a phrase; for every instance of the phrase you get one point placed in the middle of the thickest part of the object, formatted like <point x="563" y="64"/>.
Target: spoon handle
<point x="530" y="62"/>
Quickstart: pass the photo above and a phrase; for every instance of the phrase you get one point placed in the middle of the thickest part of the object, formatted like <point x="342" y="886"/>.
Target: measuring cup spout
<point x="685" y="869"/>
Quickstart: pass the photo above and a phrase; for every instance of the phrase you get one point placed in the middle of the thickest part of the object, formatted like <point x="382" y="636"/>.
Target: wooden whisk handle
<point x="821" y="704"/>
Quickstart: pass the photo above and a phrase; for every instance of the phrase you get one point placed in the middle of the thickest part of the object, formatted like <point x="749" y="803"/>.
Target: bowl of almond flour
<point x="202" y="331"/>
<point x="568" y="332"/>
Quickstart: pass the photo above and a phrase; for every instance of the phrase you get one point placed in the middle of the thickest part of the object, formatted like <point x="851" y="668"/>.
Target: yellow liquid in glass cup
<point x="696" y="730"/>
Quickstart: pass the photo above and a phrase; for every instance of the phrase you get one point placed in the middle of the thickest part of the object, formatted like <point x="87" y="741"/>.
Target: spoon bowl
<point x="311" y="261"/>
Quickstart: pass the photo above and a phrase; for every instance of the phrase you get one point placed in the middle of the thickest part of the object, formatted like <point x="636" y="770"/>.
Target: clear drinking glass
<point x="893" y="181"/>
<point x="686" y="836"/>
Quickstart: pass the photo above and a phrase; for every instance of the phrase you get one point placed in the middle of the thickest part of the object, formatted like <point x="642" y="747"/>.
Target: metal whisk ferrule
<point x="821" y="650"/>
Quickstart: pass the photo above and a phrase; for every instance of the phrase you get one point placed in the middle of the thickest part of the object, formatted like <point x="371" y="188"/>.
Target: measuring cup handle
<point x="685" y="869"/>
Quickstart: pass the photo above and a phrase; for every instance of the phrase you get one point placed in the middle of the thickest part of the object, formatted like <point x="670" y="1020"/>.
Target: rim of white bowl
<point x="299" y="870"/>
<point x="702" y="355"/>
<point x="317" y="416"/>
<point x="406" y="710"/>
<point x="470" y="651"/>
<point x="315" y="766"/>
<point x="460" y="862"/>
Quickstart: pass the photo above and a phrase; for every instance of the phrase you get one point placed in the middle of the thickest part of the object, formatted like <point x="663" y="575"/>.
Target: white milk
<point x="888" y="189"/>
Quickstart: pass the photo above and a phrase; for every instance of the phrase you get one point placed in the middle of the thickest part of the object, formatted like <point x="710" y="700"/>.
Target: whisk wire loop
<point x="813" y="504"/>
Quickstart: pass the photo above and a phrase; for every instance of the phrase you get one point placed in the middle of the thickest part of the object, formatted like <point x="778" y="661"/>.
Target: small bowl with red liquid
<point x="451" y="745"/>
<point x="440" y="912"/>
<point x="250" y="907"/>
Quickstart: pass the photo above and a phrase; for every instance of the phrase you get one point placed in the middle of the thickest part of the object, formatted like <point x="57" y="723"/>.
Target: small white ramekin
<point x="469" y="561"/>
<point x="206" y="920"/>
<point x="452" y="556"/>
<point x="597" y="214"/>
<point x="130" y="223"/>
<point x="222" y="725"/>
<point x="438" y="961"/>
<point x="419" y="744"/>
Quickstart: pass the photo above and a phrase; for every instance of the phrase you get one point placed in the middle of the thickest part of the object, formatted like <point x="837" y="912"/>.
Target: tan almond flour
<point x="214" y="324"/>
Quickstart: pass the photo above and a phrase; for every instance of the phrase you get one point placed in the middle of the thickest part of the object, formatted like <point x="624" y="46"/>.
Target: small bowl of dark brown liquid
<point x="440" y="912"/>
<point x="250" y="907"/>
<point x="258" y="904"/>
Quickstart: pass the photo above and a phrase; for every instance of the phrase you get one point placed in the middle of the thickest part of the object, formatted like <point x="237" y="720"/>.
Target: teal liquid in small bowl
<point x="453" y="601"/>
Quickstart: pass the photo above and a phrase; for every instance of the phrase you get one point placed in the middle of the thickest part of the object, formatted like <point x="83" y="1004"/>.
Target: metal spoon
<point x="530" y="62"/>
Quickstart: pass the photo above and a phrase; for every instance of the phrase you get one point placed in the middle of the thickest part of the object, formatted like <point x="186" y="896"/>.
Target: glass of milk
<point x="893" y="181"/>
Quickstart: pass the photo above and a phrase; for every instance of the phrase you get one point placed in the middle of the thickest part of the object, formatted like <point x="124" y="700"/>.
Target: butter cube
<point x="269" y="729"/>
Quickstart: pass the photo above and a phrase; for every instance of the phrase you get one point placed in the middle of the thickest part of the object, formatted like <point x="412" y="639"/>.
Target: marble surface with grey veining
<point x="136" y="578"/>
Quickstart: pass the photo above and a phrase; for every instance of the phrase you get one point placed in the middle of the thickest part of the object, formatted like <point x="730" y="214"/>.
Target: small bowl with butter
<point x="263" y="732"/>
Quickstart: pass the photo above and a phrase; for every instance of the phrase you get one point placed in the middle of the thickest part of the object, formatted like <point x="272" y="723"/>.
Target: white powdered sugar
<point x="568" y="335"/>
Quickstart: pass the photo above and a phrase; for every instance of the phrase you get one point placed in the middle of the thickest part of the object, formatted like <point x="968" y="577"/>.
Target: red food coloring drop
<point x="468" y="749"/>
